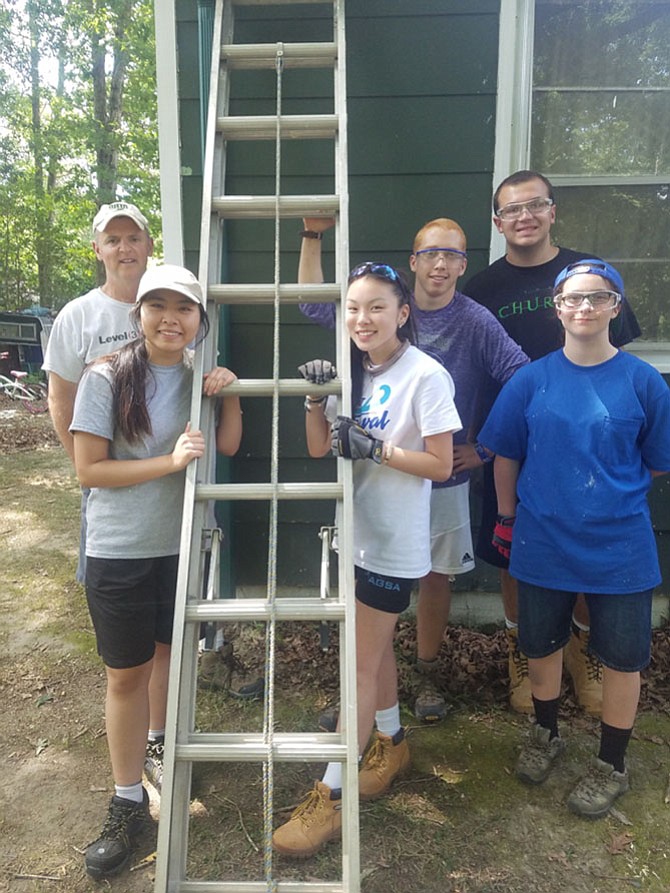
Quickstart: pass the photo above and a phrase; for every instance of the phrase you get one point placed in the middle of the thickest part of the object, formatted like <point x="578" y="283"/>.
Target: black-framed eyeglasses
<point x="447" y="254"/>
<point x="602" y="299"/>
<point x="371" y="268"/>
<point x="534" y="206"/>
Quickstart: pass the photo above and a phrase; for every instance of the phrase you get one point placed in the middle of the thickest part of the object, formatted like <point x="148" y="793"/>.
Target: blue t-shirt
<point x="586" y="438"/>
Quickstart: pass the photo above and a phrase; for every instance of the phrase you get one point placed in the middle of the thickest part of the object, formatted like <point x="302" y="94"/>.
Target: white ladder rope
<point x="268" y="714"/>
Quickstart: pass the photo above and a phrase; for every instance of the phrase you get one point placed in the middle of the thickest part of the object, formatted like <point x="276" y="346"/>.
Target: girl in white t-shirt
<point x="404" y="418"/>
<point x="132" y="442"/>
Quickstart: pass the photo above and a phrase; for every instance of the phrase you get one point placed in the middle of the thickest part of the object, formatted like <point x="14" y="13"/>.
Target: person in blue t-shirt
<point x="578" y="436"/>
<point x="518" y="289"/>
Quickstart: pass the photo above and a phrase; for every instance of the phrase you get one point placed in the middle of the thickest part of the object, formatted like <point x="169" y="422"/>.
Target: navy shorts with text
<point x="389" y="594"/>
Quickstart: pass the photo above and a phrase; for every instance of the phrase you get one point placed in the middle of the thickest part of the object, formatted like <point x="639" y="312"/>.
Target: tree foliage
<point x="77" y="129"/>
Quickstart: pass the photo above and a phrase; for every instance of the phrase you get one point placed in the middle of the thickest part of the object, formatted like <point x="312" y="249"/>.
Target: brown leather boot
<point x="586" y="672"/>
<point x="317" y="820"/>
<point x="385" y="760"/>
<point x="520" y="698"/>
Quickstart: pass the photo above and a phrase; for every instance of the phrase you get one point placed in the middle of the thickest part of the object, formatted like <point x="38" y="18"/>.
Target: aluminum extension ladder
<point x="184" y="745"/>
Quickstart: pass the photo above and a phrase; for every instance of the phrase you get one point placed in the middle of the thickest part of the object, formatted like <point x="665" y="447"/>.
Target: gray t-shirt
<point x="142" y="521"/>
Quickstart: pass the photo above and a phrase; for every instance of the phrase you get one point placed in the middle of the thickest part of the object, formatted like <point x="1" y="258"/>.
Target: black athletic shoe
<point x="109" y="854"/>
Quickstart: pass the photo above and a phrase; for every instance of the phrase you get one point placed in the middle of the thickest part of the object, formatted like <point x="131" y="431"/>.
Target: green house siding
<point x="421" y="104"/>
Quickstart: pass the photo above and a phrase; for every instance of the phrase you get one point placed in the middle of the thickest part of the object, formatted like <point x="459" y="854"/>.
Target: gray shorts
<point x="451" y="550"/>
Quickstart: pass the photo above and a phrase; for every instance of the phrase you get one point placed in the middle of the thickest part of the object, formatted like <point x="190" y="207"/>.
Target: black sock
<point x="613" y="744"/>
<point x="546" y="714"/>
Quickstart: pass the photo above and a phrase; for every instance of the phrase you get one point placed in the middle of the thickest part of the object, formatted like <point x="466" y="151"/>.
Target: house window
<point x="600" y="130"/>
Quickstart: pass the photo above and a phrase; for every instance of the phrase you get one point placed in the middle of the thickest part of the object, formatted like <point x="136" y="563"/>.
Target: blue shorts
<point x="389" y="594"/>
<point x="620" y="635"/>
<point x="131" y="602"/>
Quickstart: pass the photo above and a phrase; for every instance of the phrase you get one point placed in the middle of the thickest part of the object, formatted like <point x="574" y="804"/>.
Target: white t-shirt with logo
<point x="411" y="400"/>
<point x="87" y="328"/>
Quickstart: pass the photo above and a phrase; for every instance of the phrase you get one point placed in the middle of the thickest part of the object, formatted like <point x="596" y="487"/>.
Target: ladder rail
<point x="184" y="747"/>
<point x="350" y="803"/>
<point x="182" y="682"/>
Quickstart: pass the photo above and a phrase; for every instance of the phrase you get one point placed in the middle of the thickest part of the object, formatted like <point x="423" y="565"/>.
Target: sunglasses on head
<point x="374" y="269"/>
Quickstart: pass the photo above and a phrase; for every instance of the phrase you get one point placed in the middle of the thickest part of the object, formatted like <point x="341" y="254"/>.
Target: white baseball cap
<point x="173" y="278"/>
<point x="119" y="209"/>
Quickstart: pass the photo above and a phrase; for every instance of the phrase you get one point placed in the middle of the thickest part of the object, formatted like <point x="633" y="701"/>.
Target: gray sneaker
<point x="595" y="794"/>
<point x="328" y="718"/>
<point x="429" y="703"/>
<point x="219" y="671"/>
<point x="538" y="756"/>
<point x="215" y="668"/>
<point x="153" y="763"/>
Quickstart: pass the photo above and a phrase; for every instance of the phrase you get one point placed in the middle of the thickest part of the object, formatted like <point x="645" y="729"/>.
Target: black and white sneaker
<point x="153" y="763"/>
<point x="109" y="854"/>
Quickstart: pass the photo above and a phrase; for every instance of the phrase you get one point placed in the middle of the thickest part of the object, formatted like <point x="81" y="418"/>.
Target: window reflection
<point x="630" y="227"/>
<point x="601" y="108"/>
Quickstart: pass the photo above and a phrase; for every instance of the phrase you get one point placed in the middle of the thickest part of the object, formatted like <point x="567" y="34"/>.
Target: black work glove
<point x="502" y="534"/>
<point x="318" y="371"/>
<point x="351" y="441"/>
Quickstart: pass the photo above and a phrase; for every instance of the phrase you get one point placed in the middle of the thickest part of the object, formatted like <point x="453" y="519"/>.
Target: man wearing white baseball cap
<point x="97" y="323"/>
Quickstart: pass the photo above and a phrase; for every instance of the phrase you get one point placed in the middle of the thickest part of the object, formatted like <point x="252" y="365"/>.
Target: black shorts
<point x="131" y="602"/>
<point x="485" y="548"/>
<point x="389" y="594"/>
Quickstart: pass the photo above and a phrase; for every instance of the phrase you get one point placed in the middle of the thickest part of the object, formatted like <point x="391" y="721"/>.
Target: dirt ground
<point x="459" y="823"/>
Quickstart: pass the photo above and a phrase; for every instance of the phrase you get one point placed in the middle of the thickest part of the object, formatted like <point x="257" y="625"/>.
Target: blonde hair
<point x="443" y="223"/>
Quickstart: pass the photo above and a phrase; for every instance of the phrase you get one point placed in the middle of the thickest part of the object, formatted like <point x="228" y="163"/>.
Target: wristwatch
<point x="483" y="454"/>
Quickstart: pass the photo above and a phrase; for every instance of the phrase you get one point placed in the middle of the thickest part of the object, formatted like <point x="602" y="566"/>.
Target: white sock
<point x="333" y="776"/>
<point x="388" y="721"/>
<point x="155" y="734"/>
<point x="134" y="792"/>
<point x="584" y="627"/>
<point x="510" y="625"/>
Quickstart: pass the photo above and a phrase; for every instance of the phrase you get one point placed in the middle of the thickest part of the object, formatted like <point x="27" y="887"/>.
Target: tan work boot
<point x="586" y="672"/>
<point x="317" y="820"/>
<point x="520" y="698"/>
<point x="385" y="760"/>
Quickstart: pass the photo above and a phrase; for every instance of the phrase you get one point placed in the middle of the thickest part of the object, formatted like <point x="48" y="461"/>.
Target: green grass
<point x="459" y="823"/>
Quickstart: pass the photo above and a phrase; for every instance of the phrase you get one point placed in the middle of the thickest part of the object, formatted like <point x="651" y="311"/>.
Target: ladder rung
<point x="250" y="609"/>
<point x="291" y="127"/>
<point x="259" y="887"/>
<point x="287" y="387"/>
<point x="235" y="207"/>
<point x="288" y="747"/>
<point x="279" y="2"/>
<point x="245" y="492"/>
<point x="323" y="292"/>
<point x="264" y="55"/>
